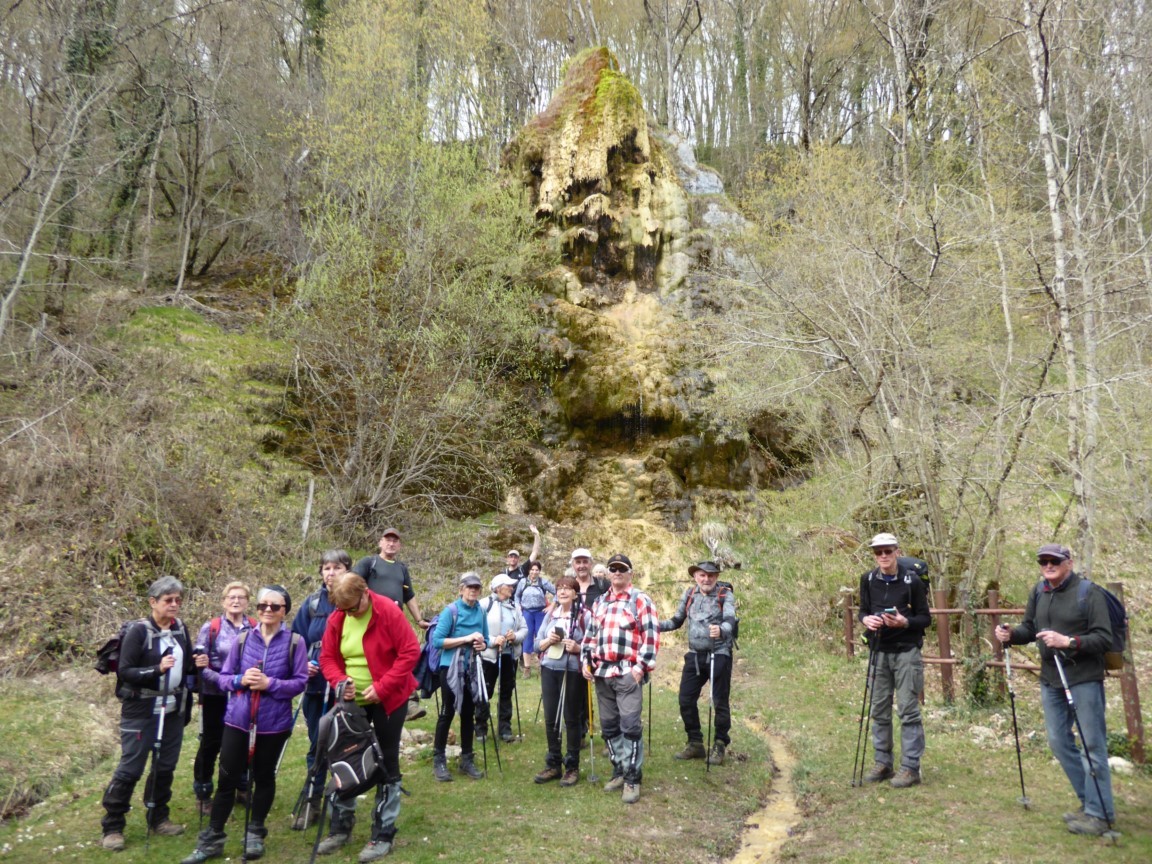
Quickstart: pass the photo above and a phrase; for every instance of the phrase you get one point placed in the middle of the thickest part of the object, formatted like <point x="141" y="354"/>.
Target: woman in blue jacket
<point x="310" y="623"/>
<point x="462" y="626"/>
<point x="264" y="672"/>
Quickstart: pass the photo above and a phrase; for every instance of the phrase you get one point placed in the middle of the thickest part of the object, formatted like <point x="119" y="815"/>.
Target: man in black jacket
<point x="1067" y="616"/>
<point x="894" y="609"/>
<point x="152" y="684"/>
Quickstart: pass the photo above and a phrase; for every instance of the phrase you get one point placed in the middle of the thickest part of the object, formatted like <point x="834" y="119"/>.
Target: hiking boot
<point x="905" y="777"/>
<point x="468" y="766"/>
<point x="879" y="772"/>
<point x="507" y="737"/>
<point x="547" y="775"/>
<point x="571" y="777"/>
<point x="631" y="793"/>
<point x="716" y="757"/>
<point x="1072" y="815"/>
<point x="481" y="734"/>
<point x="694" y="750"/>
<point x="374" y="850"/>
<point x="415" y="712"/>
<point x="253" y="845"/>
<point x="1085" y="824"/>
<point x="308" y="816"/>
<point x="615" y="784"/>
<point x="440" y="768"/>
<point x="168" y="828"/>
<point x="332" y="843"/>
<point x="113" y="842"/>
<point x="209" y="844"/>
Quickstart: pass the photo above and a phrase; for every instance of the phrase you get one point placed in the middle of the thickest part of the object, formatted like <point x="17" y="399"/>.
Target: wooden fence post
<point x="944" y="639"/>
<point x="1130" y="693"/>
<point x="849" y="636"/>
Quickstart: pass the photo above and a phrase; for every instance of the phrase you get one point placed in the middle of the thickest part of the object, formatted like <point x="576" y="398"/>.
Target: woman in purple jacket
<point x="265" y="669"/>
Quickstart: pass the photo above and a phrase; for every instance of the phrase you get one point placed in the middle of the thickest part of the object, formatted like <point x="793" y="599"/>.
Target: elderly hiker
<point x="894" y="609"/>
<point x="618" y="652"/>
<point x="1067" y="618"/>
<point x="264" y="672"/>
<point x="151" y="679"/>
<point x="509" y="630"/>
<point x="711" y="615"/>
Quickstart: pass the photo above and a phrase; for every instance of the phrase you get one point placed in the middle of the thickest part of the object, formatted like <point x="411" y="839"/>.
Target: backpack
<point x="724" y="589"/>
<point x="214" y="631"/>
<point x="427" y="671"/>
<point x="1117" y="617"/>
<point x="346" y="746"/>
<point x="108" y="654"/>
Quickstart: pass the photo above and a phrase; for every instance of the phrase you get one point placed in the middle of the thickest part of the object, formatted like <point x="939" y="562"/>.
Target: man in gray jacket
<point x="1069" y="618"/>
<point x="711" y="615"/>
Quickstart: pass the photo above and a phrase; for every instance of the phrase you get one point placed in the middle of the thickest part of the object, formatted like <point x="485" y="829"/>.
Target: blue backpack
<point x="1117" y="617"/>
<point x="427" y="669"/>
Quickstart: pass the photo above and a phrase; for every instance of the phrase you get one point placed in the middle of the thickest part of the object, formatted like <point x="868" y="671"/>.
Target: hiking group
<point x="359" y="668"/>
<point x="351" y="655"/>
<point x="1071" y="620"/>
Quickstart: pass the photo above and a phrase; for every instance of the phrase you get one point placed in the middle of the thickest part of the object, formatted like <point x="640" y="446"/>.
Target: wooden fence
<point x="970" y="621"/>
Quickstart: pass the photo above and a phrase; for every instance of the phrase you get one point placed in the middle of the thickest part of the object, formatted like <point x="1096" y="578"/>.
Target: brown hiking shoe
<point x="694" y="750"/>
<point x="905" y="777"/>
<point x="615" y="784"/>
<point x="631" y="793"/>
<point x="879" y="772"/>
<point x="1089" y="825"/>
<point x="716" y="757"/>
<point x="547" y="775"/>
<point x="113" y="842"/>
<point x="570" y="778"/>
<point x="168" y="828"/>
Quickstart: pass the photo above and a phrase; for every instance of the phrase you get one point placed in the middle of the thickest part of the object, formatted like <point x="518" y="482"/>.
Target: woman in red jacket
<point x="368" y="642"/>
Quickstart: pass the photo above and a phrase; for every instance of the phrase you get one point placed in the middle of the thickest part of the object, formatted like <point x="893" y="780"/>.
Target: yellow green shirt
<point x="352" y="649"/>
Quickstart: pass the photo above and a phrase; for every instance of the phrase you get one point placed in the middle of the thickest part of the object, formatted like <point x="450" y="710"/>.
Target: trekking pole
<point x="649" y="715"/>
<point x="711" y="681"/>
<point x="255" y="703"/>
<point x="1087" y="755"/>
<point x="491" y="724"/>
<point x="560" y="701"/>
<point x="1015" y="729"/>
<point x="162" y="708"/>
<point x="857" y="761"/>
<point x="200" y="738"/>
<point x="539" y="702"/>
<point x="516" y="701"/>
<point x="592" y="778"/>
<point x="284" y="749"/>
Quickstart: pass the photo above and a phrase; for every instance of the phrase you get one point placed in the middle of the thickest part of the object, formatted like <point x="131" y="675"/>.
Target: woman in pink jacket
<point x="368" y="642"/>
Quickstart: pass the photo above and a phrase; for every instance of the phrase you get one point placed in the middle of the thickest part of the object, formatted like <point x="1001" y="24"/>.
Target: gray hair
<point x="165" y="585"/>
<point x="336" y="556"/>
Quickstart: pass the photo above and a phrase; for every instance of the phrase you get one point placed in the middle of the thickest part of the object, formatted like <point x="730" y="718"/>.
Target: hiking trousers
<point x="448" y="710"/>
<point x="234" y="764"/>
<point x="621" y="703"/>
<point x="136" y="739"/>
<point x="552" y="681"/>
<point x="694" y="677"/>
<point x="505" y="670"/>
<point x="212" y="709"/>
<point x="898" y="674"/>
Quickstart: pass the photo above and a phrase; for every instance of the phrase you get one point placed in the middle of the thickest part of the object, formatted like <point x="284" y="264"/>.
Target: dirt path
<point x="769" y="828"/>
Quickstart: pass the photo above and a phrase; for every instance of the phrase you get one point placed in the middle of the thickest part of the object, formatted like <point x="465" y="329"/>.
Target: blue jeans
<point x="1060" y="725"/>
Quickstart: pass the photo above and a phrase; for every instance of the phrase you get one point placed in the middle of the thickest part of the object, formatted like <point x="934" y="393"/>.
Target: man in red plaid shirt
<point x="618" y="652"/>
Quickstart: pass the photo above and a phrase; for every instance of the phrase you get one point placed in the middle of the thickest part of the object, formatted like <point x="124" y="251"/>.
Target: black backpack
<point x="346" y="746"/>
<point x="108" y="654"/>
<point x="1117" y="617"/>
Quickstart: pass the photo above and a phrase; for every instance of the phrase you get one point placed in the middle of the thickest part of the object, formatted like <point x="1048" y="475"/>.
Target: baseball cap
<point x="884" y="540"/>
<point x="1054" y="550"/>
<point x="470" y="579"/>
<point x="581" y="553"/>
<point x="513" y="552"/>
<point x="390" y="532"/>
<point x="620" y="559"/>
<point x="706" y="566"/>
<point x="500" y="580"/>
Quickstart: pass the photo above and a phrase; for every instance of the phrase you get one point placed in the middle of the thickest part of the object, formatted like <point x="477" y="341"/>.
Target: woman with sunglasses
<point x="212" y="646"/>
<point x="369" y="643"/>
<point x="265" y="670"/>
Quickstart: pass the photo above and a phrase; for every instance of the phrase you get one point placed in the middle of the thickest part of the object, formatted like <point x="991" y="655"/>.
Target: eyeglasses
<point x="887" y="550"/>
<point x="472" y="587"/>
<point x="1049" y="562"/>
<point x="619" y="568"/>
<point x="172" y="601"/>
<point x="236" y="598"/>
<point x="269" y="607"/>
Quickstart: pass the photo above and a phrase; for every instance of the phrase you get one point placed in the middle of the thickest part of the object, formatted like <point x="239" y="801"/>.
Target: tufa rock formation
<point x="629" y="432"/>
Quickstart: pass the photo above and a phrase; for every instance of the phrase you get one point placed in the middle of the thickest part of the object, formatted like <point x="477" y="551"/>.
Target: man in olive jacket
<point x="1062" y="617"/>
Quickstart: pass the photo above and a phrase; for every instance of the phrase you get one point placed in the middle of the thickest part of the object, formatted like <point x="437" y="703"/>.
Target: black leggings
<point x="448" y="710"/>
<point x="233" y="764"/>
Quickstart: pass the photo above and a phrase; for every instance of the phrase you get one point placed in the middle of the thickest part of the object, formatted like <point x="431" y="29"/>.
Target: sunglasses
<point x="269" y="607"/>
<point x="887" y="550"/>
<point x="619" y="568"/>
<point x="1046" y="562"/>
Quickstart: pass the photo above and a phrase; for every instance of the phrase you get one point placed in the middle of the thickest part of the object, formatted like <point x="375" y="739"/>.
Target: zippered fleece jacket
<point x="905" y="592"/>
<point x="1059" y="609"/>
<point x="702" y="611"/>
<point x="274" y="711"/>
<point x="390" y="648"/>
